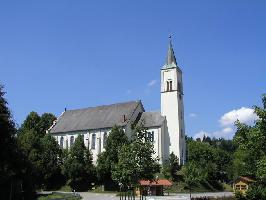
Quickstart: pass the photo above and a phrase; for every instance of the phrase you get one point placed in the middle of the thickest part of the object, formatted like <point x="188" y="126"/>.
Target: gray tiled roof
<point x="152" y="119"/>
<point x="95" y="118"/>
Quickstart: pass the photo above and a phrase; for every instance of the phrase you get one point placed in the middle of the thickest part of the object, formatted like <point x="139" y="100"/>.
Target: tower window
<point x="93" y="141"/>
<point x="169" y="85"/>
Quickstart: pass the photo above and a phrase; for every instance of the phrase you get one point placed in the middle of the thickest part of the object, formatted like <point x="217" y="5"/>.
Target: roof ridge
<point x="106" y="105"/>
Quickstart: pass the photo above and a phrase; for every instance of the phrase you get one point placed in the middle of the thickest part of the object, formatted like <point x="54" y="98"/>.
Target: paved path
<point x="110" y="196"/>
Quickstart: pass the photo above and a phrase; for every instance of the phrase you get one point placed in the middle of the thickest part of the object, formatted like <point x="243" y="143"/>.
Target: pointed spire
<point x="170" y="54"/>
<point x="170" y="59"/>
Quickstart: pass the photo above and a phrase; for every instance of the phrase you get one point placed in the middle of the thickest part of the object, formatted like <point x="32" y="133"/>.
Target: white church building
<point x="166" y="129"/>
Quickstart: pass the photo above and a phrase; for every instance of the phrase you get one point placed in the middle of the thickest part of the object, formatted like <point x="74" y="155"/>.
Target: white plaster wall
<point x="171" y="108"/>
<point x="157" y="144"/>
<point x="99" y="146"/>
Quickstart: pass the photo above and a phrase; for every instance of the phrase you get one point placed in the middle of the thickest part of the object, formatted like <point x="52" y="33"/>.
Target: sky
<point x="77" y="54"/>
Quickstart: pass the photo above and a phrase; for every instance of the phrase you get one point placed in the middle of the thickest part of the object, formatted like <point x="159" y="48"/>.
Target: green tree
<point x="215" y="161"/>
<point x="45" y="122"/>
<point x="50" y="157"/>
<point x="32" y="141"/>
<point x="251" y="144"/>
<point x="193" y="174"/>
<point x="13" y="165"/>
<point x="135" y="160"/>
<point x="171" y="167"/>
<point x="78" y="167"/>
<point x="250" y="156"/>
<point x="106" y="160"/>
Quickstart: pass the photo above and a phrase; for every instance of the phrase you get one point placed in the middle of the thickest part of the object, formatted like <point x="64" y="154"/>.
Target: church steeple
<point x="172" y="105"/>
<point x="170" y="59"/>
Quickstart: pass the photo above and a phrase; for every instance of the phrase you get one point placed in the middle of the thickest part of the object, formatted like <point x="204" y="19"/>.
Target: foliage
<point x="109" y="157"/>
<point x="250" y="156"/>
<point x="135" y="160"/>
<point x="78" y="167"/>
<point x="171" y="167"/>
<point x="41" y="150"/>
<point x="193" y="174"/>
<point x="251" y="151"/>
<point x="213" y="160"/>
<point x="50" y="157"/>
<point x="13" y="165"/>
<point x="256" y="191"/>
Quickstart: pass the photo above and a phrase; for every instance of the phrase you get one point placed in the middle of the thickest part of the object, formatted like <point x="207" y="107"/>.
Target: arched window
<point x="149" y="136"/>
<point x="62" y="142"/>
<point x="88" y="141"/>
<point x="71" y="140"/>
<point x="93" y="141"/>
<point x="171" y="87"/>
<point x="66" y="143"/>
<point x="83" y="138"/>
<point x="104" y="139"/>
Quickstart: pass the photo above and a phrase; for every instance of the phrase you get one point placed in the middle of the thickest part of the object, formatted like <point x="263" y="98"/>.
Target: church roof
<point x="95" y="117"/>
<point x="151" y="119"/>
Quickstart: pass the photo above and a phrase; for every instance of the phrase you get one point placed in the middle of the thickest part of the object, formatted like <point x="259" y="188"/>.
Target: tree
<point x="45" y="122"/>
<point x="250" y="156"/>
<point x="39" y="148"/>
<point x="50" y="158"/>
<point x="106" y="160"/>
<point x="171" y="167"/>
<point x="251" y="143"/>
<point x="213" y="160"/>
<point x="37" y="123"/>
<point x="135" y="160"/>
<point x="78" y="167"/>
<point x="13" y="165"/>
<point x="193" y="174"/>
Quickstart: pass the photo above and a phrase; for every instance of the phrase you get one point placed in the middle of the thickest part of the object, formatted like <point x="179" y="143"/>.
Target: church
<point x="166" y="129"/>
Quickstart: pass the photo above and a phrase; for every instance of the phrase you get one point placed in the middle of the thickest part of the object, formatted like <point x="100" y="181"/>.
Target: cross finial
<point x="170" y="36"/>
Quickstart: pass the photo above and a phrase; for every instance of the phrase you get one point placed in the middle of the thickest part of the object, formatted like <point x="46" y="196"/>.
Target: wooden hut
<point x="153" y="188"/>
<point x="242" y="183"/>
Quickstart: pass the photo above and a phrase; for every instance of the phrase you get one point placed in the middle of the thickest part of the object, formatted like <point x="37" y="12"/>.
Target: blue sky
<point x="75" y="54"/>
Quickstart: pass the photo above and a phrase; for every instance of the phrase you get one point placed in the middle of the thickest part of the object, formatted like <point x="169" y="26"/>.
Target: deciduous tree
<point x="78" y="167"/>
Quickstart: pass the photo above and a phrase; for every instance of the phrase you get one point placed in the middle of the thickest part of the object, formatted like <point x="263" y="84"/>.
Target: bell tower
<point x="172" y="106"/>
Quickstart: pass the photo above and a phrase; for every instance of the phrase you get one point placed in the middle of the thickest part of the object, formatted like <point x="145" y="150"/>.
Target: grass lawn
<point x="58" y="196"/>
<point x="65" y="188"/>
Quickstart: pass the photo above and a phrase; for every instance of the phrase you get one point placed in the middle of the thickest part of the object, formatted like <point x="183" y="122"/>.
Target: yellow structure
<point x="242" y="183"/>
